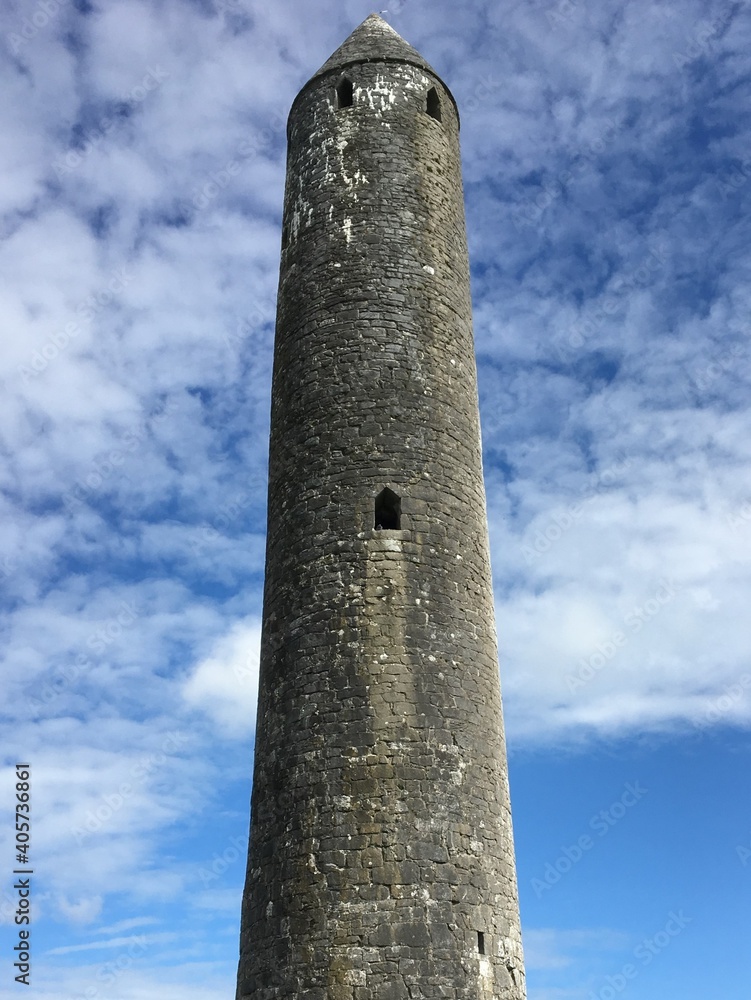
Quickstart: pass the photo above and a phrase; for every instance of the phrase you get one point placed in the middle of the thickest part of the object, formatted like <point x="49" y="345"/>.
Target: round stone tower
<point x="381" y="863"/>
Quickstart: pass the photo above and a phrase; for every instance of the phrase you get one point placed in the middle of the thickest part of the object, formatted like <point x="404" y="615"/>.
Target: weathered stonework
<point x="381" y="860"/>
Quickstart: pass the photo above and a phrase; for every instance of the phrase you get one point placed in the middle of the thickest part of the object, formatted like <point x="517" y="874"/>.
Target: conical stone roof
<point x="373" y="41"/>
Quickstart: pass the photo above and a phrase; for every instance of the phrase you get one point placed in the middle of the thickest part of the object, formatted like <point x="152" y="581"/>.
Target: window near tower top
<point x="345" y="93"/>
<point x="388" y="510"/>
<point x="433" y="104"/>
<point x="480" y="943"/>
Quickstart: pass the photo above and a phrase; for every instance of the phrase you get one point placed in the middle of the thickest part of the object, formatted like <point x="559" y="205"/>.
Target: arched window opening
<point x="388" y="510"/>
<point x="345" y="93"/>
<point x="433" y="104"/>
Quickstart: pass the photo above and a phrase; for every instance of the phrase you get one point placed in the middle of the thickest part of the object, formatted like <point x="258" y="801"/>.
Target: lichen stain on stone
<point x="354" y="179"/>
<point x="486" y="977"/>
<point x="380" y="95"/>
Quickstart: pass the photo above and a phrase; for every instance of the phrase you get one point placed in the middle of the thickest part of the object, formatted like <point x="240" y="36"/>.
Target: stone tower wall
<point x="381" y="860"/>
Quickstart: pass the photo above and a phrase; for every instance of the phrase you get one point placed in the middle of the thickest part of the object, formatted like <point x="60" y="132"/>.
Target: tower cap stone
<point x="374" y="41"/>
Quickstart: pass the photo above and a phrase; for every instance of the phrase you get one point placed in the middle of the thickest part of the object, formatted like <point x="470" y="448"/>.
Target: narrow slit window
<point x="480" y="943"/>
<point x="388" y="510"/>
<point x="433" y="104"/>
<point x="345" y="93"/>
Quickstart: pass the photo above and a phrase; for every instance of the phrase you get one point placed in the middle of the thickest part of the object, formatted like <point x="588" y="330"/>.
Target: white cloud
<point x="127" y="925"/>
<point x="552" y="948"/>
<point x="144" y="940"/>
<point x="83" y="911"/>
<point x="225" y="683"/>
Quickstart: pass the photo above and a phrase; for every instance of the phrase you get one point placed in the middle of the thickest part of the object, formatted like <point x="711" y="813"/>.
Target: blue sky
<point x="607" y="168"/>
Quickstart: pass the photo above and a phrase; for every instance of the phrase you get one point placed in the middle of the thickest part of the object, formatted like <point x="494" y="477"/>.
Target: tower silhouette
<point x="381" y="862"/>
